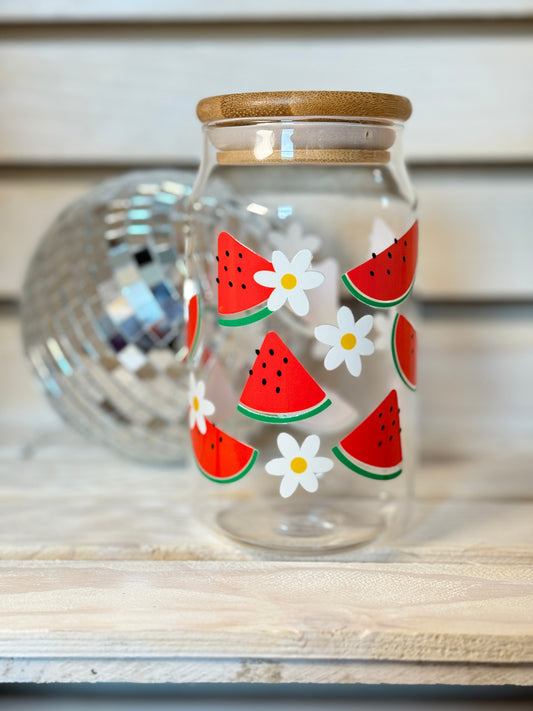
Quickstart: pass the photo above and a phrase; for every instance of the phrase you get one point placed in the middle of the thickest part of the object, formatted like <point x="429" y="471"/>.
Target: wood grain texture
<point x="231" y="10"/>
<point x="267" y="610"/>
<point x="475" y="241"/>
<point x="304" y="103"/>
<point x="269" y="671"/>
<point x="91" y="97"/>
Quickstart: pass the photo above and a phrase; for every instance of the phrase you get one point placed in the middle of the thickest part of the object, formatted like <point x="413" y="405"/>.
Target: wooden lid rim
<point x="273" y="104"/>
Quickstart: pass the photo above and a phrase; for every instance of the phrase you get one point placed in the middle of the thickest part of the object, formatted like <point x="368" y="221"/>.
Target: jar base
<point x="289" y="528"/>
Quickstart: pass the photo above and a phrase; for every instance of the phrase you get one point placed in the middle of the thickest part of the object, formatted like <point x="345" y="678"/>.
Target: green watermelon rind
<point x="359" y="468"/>
<point x="360" y="296"/>
<point x="229" y="479"/>
<point x="196" y="338"/>
<point x="281" y="418"/>
<point x="402" y="375"/>
<point x="245" y="320"/>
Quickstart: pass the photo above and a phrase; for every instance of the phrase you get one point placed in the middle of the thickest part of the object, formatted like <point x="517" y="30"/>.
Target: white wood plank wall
<point x="88" y="90"/>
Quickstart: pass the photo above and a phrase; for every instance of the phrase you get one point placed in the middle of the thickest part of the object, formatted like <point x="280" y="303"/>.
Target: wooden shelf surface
<point x="104" y="575"/>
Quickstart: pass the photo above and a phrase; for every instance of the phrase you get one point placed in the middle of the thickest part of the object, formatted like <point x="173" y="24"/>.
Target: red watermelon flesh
<point x="404" y="350"/>
<point x="238" y="291"/>
<point x="279" y="389"/>
<point x="386" y="278"/>
<point x="220" y="457"/>
<point x="374" y="448"/>
<point x="193" y="324"/>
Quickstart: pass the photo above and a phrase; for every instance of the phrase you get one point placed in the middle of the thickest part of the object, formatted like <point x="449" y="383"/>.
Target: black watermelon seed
<point x="285" y="360"/>
<point x="212" y="446"/>
<point x="390" y="438"/>
<point x="239" y="269"/>
<point x="264" y="365"/>
<point x="227" y="253"/>
<point x="218" y="280"/>
<point x="271" y="352"/>
<point x="390" y="408"/>
<point x="240" y="255"/>
<point x="257" y="351"/>
<point x="389" y="255"/>
<point x="395" y="241"/>
<point x="380" y="414"/>
<point x="243" y="286"/>
<point x="382" y="427"/>
<point x="279" y="373"/>
<point x="394" y="422"/>
<point x="277" y="390"/>
<point x="220" y="439"/>
<point x="379" y="444"/>
<point x="230" y="283"/>
<point x="251" y="371"/>
<point x="218" y="260"/>
<point x="405" y="243"/>
<point x="388" y="271"/>
<point x="264" y="381"/>
<point x="225" y="268"/>
<point x="371" y="273"/>
<point x="412" y="335"/>
<point x="373" y="255"/>
<point x="403" y="259"/>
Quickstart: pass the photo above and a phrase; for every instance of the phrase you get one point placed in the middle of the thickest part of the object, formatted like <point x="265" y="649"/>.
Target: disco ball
<point x="103" y="313"/>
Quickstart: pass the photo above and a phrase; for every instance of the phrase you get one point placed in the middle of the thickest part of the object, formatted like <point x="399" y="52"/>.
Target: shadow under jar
<point x="301" y="334"/>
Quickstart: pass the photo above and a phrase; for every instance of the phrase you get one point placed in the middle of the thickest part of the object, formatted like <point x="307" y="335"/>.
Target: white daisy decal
<point x="347" y="341"/>
<point x="199" y="406"/>
<point x="294" y="239"/>
<point x="290" y="279"/>
<point x="298" y="465"/>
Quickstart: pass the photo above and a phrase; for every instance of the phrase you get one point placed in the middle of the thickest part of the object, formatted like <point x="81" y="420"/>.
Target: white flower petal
<point x="364" y="325"/>
<point x="280" y="262"/>
<point x="301" y="261"/>
<point x="345" y="319"/>
<point x="288" y="446"/>
<point x="310" y="280"/>
<point x="327" y="334"/>
<point x="288" y="486"/>
<point x="310" y="446"/>
<point x="276" y="299"/>
<point x="266" y="278"/>
<point x="207" y="407"/>
<point x="308" y="481"/>
<point x="353" y="362"/>
<point x="192" y="418"/>
<point x="319" y="465"/>
<point x="200" y="421"/>
<point x="192" y="382"/>
<point x="200" y="389"/>
<point x="277" y="467"/>
<point x="365" y="346"/>
<point x="334" y="358"/>
<point x="298" y="302"/>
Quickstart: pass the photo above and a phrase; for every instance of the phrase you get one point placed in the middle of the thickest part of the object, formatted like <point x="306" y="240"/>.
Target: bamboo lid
<point x="271" y="104"/>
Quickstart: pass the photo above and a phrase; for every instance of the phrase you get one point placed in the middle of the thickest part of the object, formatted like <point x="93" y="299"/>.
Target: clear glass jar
<point x="303" y="350"/>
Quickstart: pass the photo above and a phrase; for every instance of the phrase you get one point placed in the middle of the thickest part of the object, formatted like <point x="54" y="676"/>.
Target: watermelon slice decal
<point x="374" y="447"/>
<point x="220" y="457"/>
<point x="404" y="349"/>
<point x="387" y="278"/>
<point x="193" y="324"/>
<point x="279" y="389"/>
<point x="241" y="300"/>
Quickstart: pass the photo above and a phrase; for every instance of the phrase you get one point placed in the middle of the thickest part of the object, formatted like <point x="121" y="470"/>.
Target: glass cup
<point x="301" y="329"/>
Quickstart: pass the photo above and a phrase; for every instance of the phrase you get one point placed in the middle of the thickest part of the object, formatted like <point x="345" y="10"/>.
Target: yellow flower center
<point x="196" y="403"/>
<point x="298" y="465"/>
<point x="288" y="281"/>
<point x="348" y="341"/>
